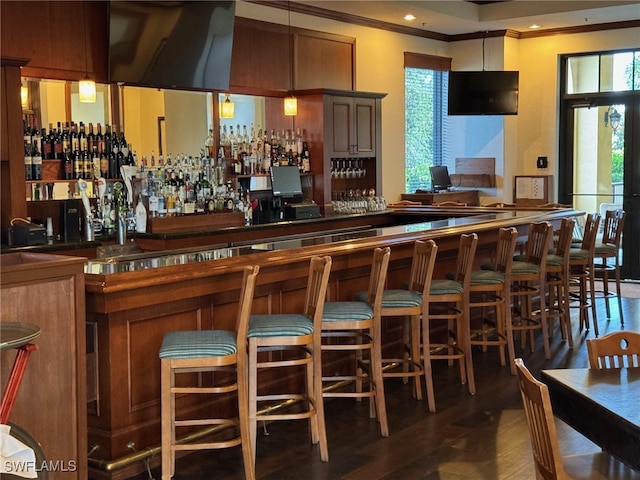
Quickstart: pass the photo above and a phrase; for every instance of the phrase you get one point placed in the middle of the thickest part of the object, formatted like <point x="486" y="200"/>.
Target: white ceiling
<point x="454" y="17"/>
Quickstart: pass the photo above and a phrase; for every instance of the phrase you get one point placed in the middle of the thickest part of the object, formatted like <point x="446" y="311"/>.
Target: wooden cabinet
<point x="343" y="130"/>
<point x="48" y="291"/>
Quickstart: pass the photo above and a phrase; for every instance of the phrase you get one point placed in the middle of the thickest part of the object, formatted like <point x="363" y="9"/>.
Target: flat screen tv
<point x="178" y="44"/>
<point x="440" y="178"/>
<point x="483" y="93"/>
<point x="285" y="181"/>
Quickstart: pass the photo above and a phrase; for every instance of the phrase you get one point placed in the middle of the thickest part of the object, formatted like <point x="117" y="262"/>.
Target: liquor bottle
<point x="130" y="158"/>
<point x="124" y="146"/>
<point x="36" y="161"/>
<point x="306" y="158"/>
<point x="107" y="140"/>
<point x="87" y="166"/>
<point x="113" y="165"/>
<point x="95" y="161"/>
<point x="115" y="141"/>
<point x="68" y="165"/>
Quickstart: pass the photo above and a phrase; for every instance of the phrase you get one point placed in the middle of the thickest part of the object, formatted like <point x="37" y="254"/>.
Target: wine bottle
<point x="45" y="143"/>
<point x="56" y="143"/>
<point x="107" y="140"/>
<point x="78" y="165"/>
<point x="73" y="138"/>
<point x="87" y="167"/>
<point x="100" y="140"/>
<point x="91" y="139"/>
<point x="68" y="165"/>
<point x="82" y="139"/>
<point x="28" y="160"/>
<point x="104" y="164"/>
<point x="36" y="161"/>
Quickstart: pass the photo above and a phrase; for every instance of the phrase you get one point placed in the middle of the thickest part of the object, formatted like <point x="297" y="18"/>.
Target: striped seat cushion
<point x="341" y="311"/>
<point x="396" y="298"/>
<point x="445" y="287"/>
<point x="554" y="260"/>
<point x="524" y="268"/>
<point x="486" y="277"/>
<point x="279" y="325"/>
<point x="578" y="254"/>
<point x="605" y="249"/>
<point x="198" y="343"/>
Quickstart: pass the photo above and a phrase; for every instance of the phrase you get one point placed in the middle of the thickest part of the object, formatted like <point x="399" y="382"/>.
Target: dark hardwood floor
<point x="470" y="437"/>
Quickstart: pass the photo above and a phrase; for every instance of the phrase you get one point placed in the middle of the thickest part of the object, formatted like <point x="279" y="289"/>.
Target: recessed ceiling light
<point x="409" y="17"/>
<point x="534" y="26"/>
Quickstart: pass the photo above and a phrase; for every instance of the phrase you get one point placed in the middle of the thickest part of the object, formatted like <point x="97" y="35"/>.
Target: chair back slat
<point x="590" y="232"/>
<point x="565" y="235"/>
<point x="466" y="255"/>
<point x="542" y="428"/>
<point x="538" y="242"/>
<point x="507" y="239"/>
<point x="615" y="350"/>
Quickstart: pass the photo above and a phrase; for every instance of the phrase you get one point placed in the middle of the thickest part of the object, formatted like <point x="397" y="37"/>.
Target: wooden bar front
<point x="129" y="312"/>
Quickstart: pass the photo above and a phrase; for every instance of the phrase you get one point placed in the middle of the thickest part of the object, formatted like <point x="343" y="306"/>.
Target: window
<point x="426" y="83"/>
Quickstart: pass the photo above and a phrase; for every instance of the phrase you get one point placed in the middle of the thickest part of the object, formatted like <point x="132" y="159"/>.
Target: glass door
<point x="603" y="171"/>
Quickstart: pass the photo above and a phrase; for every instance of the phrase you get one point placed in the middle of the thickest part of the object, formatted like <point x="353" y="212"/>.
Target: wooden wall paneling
<point x="324" y="61"/>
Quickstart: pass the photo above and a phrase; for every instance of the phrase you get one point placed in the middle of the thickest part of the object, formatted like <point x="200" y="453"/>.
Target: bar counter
<point x="132" y="301"/>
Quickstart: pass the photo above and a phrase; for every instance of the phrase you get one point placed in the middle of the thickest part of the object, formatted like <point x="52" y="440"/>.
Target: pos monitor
<point x="440" y="178"/>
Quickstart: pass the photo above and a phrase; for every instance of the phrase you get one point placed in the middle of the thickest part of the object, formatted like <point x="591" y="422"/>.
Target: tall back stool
<point x="607" y="249"/>
<point x="491" y="289"/>
<point x="409" y="303"/>
<point x="448" y="300"/>
<point x="558" y="280"/>
<point x="290" y="340"/>
<point x="354" y="327"/>
<point x="200" y="351"/>
<point x="582" y="273"/>
<point x="528" y="277"/>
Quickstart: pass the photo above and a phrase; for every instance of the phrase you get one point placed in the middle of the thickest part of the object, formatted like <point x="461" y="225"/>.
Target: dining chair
<point x="185" y="352"/>
<point x="286" y="340"/>
<point x="615" y="350"/>
<point x="353" y="327"/>
<point x="608" y="248"/>
<point x="549" y="463"/>
<point x="491" y="290"/>
<point x="558" y="281"/>
<point x="581" y="274"/>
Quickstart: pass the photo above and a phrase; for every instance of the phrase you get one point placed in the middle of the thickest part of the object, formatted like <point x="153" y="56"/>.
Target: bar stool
<point x="558" y="281"/>
<point x="448" y="300"/>
<point x="581" y="273"/>
<point x="528" y="280"/>
<point x="200" y="351"/>
<point x="354" y="327"/>
<point x="609" y="248"/>
<point x="408" y="303"/>
<point x="299" y="337"/>
<point x="491" y="289"/>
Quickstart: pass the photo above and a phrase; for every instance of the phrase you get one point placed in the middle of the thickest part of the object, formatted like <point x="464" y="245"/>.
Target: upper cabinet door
<point x="353" y="127"/>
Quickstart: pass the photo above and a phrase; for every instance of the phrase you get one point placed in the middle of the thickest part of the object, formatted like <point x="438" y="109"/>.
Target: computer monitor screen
<point x="285" y="181"/>
<point x="440" y="177"/>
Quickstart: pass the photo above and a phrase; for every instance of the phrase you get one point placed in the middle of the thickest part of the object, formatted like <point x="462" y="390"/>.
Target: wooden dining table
<point x="603" y="405"/>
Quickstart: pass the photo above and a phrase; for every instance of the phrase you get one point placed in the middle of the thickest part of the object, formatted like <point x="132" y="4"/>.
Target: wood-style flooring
<point x="469" y="437"/>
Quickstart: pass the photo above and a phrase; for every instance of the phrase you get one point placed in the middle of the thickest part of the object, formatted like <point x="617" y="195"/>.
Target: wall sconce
<point x="227" y="109"/>
<point x="612" y="116"/>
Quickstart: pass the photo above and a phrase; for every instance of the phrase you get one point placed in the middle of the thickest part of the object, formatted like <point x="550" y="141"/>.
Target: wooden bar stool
<point x="448" y="300"/>
<point x="491" y="289"/>
<point x="582" y="274"/>
<point x="609" y="248"/>
<point x="408" y="303"/>
<point x="290" y="340"/>
<point x="205" y="351"/>
<point x="558" y="281"/>
<point x="528" y="281"/>
<point x="353" y="327"/>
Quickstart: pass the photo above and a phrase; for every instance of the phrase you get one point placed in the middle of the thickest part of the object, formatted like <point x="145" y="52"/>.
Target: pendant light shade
<point x="24" y="96"/>
<point x="87" y="90"/>
<point x="290" y="105"/>
<point x="227" y="109"/>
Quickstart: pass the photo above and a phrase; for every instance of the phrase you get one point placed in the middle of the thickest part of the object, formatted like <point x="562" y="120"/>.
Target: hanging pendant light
<point x="87" y="90"/>
<point x="227" y="108"/>
<point x="290" y="102"/>
<point x="86" y="87"/>
<point x="24" y="95"/>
